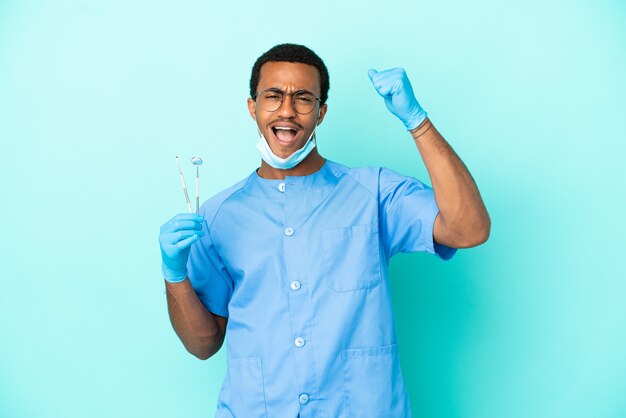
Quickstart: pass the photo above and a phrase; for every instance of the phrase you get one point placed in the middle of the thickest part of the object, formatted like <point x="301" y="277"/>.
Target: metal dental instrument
<point x="197" y="161"/>
<point x="182" y="179"/>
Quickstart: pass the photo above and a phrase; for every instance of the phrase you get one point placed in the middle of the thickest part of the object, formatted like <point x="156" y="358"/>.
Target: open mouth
<point x="284" y="134"/>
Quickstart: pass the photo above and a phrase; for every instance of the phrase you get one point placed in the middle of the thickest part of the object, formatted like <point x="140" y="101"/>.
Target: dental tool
<point x="197" y="161"/>
<point x="182" y="179"/>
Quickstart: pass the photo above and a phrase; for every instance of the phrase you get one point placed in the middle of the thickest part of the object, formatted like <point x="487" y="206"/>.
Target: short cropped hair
<point x="291" y="53"/>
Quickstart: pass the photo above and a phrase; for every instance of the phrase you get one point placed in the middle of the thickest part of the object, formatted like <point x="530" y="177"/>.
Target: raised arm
<point x="463" y="220"/>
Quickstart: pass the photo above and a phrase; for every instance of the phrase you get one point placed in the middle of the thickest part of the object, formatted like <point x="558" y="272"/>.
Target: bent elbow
<point x="203" y="353"/>
<point x="478" y="235"/>
<point x="202" y="356"/>
<point x="481" y="235"/>
<point x="207" y="347"/>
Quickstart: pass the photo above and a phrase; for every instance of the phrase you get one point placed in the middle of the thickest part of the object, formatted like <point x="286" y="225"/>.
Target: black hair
<point x="291" y="53"/>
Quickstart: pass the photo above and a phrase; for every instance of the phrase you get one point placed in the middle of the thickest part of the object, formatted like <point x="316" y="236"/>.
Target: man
<point x="291" y="262"/>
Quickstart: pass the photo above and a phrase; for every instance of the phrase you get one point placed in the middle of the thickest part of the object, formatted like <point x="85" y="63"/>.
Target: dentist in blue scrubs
<point x="290" y="265"/>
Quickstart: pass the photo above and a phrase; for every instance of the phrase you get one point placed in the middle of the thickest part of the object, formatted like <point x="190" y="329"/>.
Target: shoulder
<point x="365" y="176"/>
<point x="372" y="178"/>
<point x="381" y="182"/>
<point x="211" y="207"/>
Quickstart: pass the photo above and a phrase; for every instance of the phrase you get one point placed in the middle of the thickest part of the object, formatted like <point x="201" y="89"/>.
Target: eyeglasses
<point x="272" y="99"/>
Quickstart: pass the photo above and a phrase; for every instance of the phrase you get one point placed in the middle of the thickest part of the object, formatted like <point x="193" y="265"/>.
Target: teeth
<point x="284" y="128"/>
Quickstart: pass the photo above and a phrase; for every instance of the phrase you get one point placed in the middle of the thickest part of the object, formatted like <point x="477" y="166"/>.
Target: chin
<point x="284" y="152"/>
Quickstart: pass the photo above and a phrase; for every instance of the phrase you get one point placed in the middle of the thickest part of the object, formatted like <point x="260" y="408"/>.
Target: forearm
<point x="196" y="327"/>
<point x="463" y="219"/>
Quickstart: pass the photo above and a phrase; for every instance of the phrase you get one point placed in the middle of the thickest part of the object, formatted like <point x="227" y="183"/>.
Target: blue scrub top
<point x="299" y="267"/>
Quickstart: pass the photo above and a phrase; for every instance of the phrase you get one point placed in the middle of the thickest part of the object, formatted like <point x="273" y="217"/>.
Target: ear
<point x="252" y="108"/>
<point x="322" y="110"/>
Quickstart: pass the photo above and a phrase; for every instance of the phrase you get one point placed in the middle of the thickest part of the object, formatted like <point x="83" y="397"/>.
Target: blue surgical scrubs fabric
<point x="300" y="268"/>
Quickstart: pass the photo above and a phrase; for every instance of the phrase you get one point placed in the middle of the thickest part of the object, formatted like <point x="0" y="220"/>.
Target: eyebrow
<point x="277" y="90"/>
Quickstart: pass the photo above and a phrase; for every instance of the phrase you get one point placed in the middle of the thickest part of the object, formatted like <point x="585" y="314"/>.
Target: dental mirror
<point x="197" y="161"/>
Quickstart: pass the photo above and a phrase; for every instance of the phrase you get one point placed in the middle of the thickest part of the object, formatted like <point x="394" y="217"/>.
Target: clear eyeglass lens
<point x="271" y="100"/>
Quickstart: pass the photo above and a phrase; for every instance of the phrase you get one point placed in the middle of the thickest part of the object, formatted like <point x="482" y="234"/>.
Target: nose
<point x="287" y="109"/>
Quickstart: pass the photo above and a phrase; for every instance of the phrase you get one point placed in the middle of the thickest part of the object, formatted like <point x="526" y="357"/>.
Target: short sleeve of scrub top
<point x="408" y="209"/>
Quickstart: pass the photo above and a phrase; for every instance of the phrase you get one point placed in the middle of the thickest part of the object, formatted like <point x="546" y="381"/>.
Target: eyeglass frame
<point x="284" y="93"/>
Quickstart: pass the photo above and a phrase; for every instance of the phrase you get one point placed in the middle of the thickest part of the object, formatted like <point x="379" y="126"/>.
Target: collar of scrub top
<point x="320" y="178"/>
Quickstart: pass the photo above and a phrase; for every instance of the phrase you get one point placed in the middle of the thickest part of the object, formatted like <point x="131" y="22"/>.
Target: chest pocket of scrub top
<point x="351" y="257"/>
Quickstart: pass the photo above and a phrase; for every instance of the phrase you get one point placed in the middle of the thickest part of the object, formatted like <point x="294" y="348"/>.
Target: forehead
<point x="289" y="76"/>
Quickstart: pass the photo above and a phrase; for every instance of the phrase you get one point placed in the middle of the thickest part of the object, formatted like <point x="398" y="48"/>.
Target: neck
<point x="311" y="164"/>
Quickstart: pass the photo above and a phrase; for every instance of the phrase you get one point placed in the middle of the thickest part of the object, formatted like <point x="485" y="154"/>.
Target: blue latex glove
<point x="175" y="239"/>
<point x="395" y="87"/>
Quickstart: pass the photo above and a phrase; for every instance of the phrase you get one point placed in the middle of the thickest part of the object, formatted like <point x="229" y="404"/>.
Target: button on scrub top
<point x="299" y="267"/>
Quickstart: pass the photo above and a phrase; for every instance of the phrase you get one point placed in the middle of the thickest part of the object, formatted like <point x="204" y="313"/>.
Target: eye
<point x="304" y="98"/>
<point x="272" y="96"/>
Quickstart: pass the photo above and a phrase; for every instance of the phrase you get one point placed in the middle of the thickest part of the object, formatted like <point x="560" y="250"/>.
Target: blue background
<point x="96" y="99"/>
